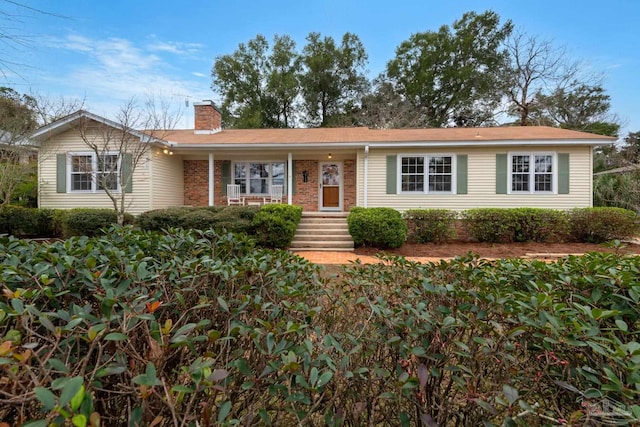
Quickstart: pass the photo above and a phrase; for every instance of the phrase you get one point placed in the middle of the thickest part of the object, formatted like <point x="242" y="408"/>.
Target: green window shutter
<point x="392" y="174"/>
<point x="226" y="175"/>
<point x="127" y="172"/>
<point x="563" y="173"/>
<point x="61" y="173"/>
<point x="293" y="177"/>
<point x="461" y="174"/>
<point x="501" y="173"/>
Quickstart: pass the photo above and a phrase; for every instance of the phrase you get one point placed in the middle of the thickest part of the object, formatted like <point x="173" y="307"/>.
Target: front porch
<point x="317" y="185"/>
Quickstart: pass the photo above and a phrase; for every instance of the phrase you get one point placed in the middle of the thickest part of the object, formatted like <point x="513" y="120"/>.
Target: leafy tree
<point x="333" y="79"/>
<point x="631" y="148"/>
<point x="386" y="108"/>
<point x="283" y="81"/>
<point x="258" y="87"/>
<point x="618" y="190"/>
<point x="454" y="74"/>
<point x="581" y="106"/>
<point x="17" y="121"/>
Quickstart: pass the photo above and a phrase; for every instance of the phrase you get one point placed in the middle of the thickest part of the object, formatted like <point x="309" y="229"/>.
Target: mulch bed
<point x="496" y="250"/>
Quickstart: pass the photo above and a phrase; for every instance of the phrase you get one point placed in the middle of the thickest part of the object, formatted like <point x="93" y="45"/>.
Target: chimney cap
<point x="205" y="102"/>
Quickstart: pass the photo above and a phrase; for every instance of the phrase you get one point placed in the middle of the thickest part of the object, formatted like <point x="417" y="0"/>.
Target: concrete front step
<point x="318" y="244"/>
<point x="330" y="230"/>
<point x="322" y="231"/>
<point x="325" y="237"/>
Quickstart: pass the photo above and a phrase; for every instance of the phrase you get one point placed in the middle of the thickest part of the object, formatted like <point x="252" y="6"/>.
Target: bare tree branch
<point x="120" y="148"/>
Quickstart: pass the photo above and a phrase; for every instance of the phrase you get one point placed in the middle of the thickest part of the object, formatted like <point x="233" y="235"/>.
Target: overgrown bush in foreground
<point x="143" y="328"/>
<point x="472" y="342"/>
<point x="377" y="227"/>
<point x="199" y="328"/>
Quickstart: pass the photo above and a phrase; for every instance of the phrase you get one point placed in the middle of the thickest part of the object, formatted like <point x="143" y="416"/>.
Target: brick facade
<point x="306" y="192"/>
<point x="196" y="184"/>
<point x="349" y="177"/>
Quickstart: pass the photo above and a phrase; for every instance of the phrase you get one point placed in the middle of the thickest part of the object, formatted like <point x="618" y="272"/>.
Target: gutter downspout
<point x="366" y="174"/>
<point x="289" y="178"/>
<point x="211" y="192"/>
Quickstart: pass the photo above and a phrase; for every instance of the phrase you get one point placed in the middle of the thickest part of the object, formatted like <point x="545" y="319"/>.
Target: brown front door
<point x="331" y="186"/>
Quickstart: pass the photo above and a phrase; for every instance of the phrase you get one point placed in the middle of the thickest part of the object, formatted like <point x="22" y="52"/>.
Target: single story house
<point x="326" y="169"/>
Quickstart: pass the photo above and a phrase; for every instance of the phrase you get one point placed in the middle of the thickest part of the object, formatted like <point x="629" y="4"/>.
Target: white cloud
<point x="111" y="71"/>
<point x="179" y="48"/>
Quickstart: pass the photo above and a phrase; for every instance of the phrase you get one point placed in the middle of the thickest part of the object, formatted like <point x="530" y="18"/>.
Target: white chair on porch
<point x="275" y="195"/>
<point x="233" y="195"/>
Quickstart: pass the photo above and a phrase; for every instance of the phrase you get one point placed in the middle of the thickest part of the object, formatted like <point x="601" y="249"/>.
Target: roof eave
<point x="399" y="144"/>
<point x="65" y="123"/>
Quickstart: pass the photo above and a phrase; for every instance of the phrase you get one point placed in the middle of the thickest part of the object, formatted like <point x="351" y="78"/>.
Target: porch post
<point x="289" y="178"/>
<point x="211" y="192"/>
<point x="366" y="175"/>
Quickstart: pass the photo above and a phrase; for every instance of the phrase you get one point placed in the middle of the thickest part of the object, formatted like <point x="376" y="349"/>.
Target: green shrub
<point x="512" y="332"/>
<point x="275" y="225"/>
<point x="162" y="219"/>
<point x="430" y="225"/>
<point x="602" y="224"/>
<point x="26" y="222"/>
<point x="137" y="328"/>
<point x="378" y="227"/>
<point x="492" y="225"/>
<point x="57" y="222"/>
<point x="89" y="222"/>
<point x="198" y="219"/>
<point x="541" y="225"/>
<point x="118" y="318"/>
<point x="232" y="218"/>
<point x="498" y="225"/>
<point x="237" y="219"/>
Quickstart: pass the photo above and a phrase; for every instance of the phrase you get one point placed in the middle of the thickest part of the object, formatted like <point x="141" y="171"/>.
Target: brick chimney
<point x="207" y="117"/>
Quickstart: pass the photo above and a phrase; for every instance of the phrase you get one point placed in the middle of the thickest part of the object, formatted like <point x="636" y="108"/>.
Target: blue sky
<point x="107" y="52"/>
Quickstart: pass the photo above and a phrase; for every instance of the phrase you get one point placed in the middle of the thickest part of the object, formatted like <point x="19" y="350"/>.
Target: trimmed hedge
<point x="591" y="225"/>
<point x="26" y="222"/>
<point x="237" y="219"/>
<point x="89" y="222"/>
<point x="430" y="225"/>
<point x="598" y="225"/>
<point x="378" y="227"/>
<point x="275" y="225"/>
<point x="495" y="225"/>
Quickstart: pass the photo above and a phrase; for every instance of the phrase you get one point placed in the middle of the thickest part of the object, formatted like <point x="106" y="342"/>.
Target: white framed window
<point x="426" y="173"/>
<point x="256" y="178"/>
<point x="89" y="173"/>
<point x="533" y="173"/>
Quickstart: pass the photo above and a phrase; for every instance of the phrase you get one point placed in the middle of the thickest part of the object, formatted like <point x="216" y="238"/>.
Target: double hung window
<point x="426" y="174"/>
<point x="532" y="173"/>
<point x="89" y="172"/>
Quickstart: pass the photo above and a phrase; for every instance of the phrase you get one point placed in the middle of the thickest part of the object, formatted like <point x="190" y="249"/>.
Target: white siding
<point x="481" y="182"/>
<point x="167" y="180"/>
<point x="137" y="201"/>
